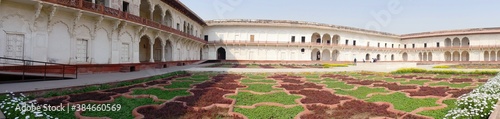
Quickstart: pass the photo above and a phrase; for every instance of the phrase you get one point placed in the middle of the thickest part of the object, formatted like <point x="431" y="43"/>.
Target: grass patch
<point x="361" y="92"/>
<point x="162" y="94"/>
<point x="401" y="102"/>
<point x="181" y="84"/>
<point x="390" y="80"/>
<point x="270" y="112"/>
<point x="315" y="80"/>
<point x="260" y="87"/>
<point x="417" y="82"/>
<point x="335" y="65"/>
<point x="440" y="113"/>
<point x="441" y="67"/>
<point x="443" y="76"/>
<point x="257" y="81"/>
<point x="451" y="85"/>
<point x="248" y="99"/>
<point x="337" y="85"/>
<point x="200" y="79"/>
<point x="418" y="70"/>
<point x="127" y="105"/>
<point x="256" y="76"/>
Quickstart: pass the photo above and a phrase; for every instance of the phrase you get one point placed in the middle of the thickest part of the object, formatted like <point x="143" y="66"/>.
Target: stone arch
<point x="326" y="55"/>
<point x="493" y="56"/>
<point x="429" y="57"/>
<point x="157" y="14"/>
<point x="420" y="56"/>
<point x="465" y="42"/>
<point x="392" y="57"/>
<point x="315" y="55"/>
<point x="316" y="38"/>
<point x="447" y="42"/>
<point x="447" y="56"/>
<point x="326" y="39"/>
<point x="486" y="56"/>
<point x="144" y="49"/>
<point x="168" y="19"/>
<point x="168" y="50"/>
<point x="59" y="38"/>
<point x="335" y="39"/>
<point x="405" y="56"/>
<point x="378" y="57"/>
<point x="335" y="55"/>
<point x="367" y="57"/>
<point x="456" y="42"/>
<point x="456" y="56"/>
<point x="83" y="32"/>
<point x="145" y="9"/>
<point x="157" y="49"/>
<point x="221" y="53"/>
<point x="465" y="56"/>
<point x="102" y="43"/>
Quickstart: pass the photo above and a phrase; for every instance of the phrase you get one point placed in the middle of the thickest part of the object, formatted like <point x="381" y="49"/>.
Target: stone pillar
<point x="151" y="45"/>
<point x="163" y="52"/>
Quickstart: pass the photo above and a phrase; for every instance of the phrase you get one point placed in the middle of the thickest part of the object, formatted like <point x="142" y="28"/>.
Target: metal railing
<point x="39" y="69"/>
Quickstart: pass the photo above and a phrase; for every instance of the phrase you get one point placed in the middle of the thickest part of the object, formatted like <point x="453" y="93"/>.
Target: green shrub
<point x="418" y="70"/>
<point x="442" y="67"/>
<point x="409" y="70"/>
<point x="335" y="65"/>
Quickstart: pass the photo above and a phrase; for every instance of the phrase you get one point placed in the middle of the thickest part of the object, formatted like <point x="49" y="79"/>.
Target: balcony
<point x="118" y="14"/>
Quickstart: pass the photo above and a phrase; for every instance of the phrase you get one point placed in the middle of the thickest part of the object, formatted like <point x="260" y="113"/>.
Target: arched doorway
<point x="326" y="39"/>
<point x="326" y="55"/>
<point x="392" y="57"/>
<point x="367" y="57"/>
<point x="157" y="14"/>
<point x="420" y="56"/>
<point x="157" y="50"/>
<point x="430" y="56"/>
<point x="336" y="54"/>
<point x="145" y="9"/>
<point x="465" y="42"/>
<point x="447" y="56"/>
<point x="456" y="42"/>
<point x="493" y="56"/>
<point x="456" y="56"/>
<point x="486" y="56"/>
<point x="465" y="56"/>
<point x="335" y="39"/>
<point x="168" y="51"/>
<point x="378" y="57"/>
<point x="316" y="38"/>
<point x="168" y="20"/>
<point x="447" y="42"/>
<point x="405" y="56"/>
<point x="201" y="54"/>
<point x="221" y="54"/>
<point x="144" y="49"/>
<point x="315" y="55"/>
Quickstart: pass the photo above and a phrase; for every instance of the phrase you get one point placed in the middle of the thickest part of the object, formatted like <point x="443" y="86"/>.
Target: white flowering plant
<point x="10" y="107"/>
<point x="479" y="103"/>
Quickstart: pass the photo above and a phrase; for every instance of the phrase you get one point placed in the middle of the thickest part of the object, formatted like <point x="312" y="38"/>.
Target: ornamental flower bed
<point x="479" y="103"/>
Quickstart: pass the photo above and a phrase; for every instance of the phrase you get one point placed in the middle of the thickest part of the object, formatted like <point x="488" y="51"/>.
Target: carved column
<point x="151" y="45"/>
<point x="163" y="44"/>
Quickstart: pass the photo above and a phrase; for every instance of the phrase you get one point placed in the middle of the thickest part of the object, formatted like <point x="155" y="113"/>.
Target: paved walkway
<point x="90" y="79"/>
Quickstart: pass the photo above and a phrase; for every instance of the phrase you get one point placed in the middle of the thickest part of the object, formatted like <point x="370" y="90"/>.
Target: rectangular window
<point x="303" y="39"/>
<point x="437" y="44"/>
<point x="405" y="46"/>
<point x="124" y="53"/>
<point x="206" y="37"/>
<point x="354" y="42"/>
<point x="81" y="50"/>
<point x="378" y="44"/>
<point x="125" y="6"/>
<point x="293" y="39"/>
<point x="385" y="45"/>
<point x="413" y="45"/>
<point x="392" y="45"/>
<point x="15" y="46"/>
<point x="346" y="42"/>
<point x="252" y="38"/>
<point x="425" y="45"/>
<point x="178" y="26"/>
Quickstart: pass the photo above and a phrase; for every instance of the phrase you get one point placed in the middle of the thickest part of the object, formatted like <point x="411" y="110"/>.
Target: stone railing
<point x="96" y="8"/>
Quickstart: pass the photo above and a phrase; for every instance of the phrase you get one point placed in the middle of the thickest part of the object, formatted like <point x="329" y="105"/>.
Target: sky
<point x="393" y="16"/>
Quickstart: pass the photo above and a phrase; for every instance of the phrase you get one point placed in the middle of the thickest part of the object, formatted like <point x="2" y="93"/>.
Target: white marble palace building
<point x="145" y="31"/>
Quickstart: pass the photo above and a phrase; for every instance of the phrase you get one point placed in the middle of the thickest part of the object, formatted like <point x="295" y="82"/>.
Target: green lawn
<point x="248" y="99"/>
<point x="161" y="94"/>
<point x="337" y="85"/>
<point x="257" y="81"/>
<point x="127" y="105"/>
<point x="361" y="92"/>
<point x="260" y="87"/>
<point x="440" y="113"/>
<point x="451" y="85"/>
<point x="270" y="112"/>
<point x="417" y="82"/>
<point x="404" y="103"/>
<point x="181" y="84"/>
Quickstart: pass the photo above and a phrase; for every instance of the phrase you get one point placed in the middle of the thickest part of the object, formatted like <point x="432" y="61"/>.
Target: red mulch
<point x="266" y="67"/>
<point x="287" y="80"/>
<point x="282" y="76"/>
<point x="459" y="92"/>
<point x="461" y="80"/>
<point x="347" y="79"/>
<point x="429" y="91"/>
<point x="412" y="116"/>
<point x="394" y="86"/>
<point x="439" y="79"/>
<point x="364" y="82"/>
<point x="300" y="86"/>
<point x="206" y="97"/>
<point x="405" y="76"/>
<point x="482" y="80"/>
<point x="349" y="110"/>
<point x="227" y="86"/>
<point x="316" y="96"/>
<point x="239" y="66"/>
<point x="95" y="96"/>
<point x="52" y="102"/>
<point x="151" y="83"/>
<point x="176" y="110"/>
<point x="424" y="78"/>
<point x="333" y="76"/>
<point x="226" y="78"/>
<point x="293" y="67"/>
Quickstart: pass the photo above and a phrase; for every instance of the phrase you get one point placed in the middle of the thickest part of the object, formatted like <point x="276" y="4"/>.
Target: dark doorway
<point x="221" y="54"/>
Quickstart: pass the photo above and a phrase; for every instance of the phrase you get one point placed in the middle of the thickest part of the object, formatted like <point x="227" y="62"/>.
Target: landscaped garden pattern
<point x="275" y="66"/>
<point x="282" y="96"/>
